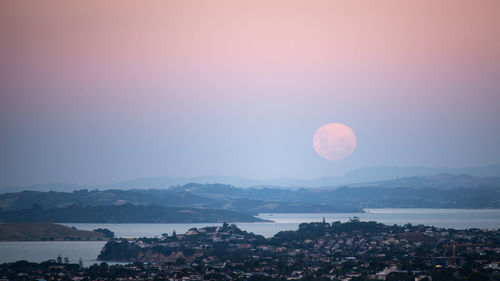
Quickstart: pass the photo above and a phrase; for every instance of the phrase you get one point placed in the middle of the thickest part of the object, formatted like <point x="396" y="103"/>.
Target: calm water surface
<point x="43" y="250"/>
<point x="88" y="251"/>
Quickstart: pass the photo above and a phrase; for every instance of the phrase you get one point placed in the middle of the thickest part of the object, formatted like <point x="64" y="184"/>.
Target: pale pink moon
<point x="334" y="141"/>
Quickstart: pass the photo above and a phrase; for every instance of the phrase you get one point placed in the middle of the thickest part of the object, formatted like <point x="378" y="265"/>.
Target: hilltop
<point x="210" y="196"/>
<point x="362" y="175"/>
<point x="438" y="191"/>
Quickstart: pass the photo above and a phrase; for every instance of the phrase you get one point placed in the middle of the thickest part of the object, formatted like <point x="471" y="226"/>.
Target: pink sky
<point x="131" y="67"/>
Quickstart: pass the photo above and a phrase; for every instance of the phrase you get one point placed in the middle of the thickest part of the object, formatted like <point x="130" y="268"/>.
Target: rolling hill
<point x="44" y="232"/>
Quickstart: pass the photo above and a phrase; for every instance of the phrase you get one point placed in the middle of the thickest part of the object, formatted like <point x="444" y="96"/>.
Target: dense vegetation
<point x="444" y="191"/>
<point x="84" y="197"/>
<point x="123" y="214"/>
<point x="216" y="196"/>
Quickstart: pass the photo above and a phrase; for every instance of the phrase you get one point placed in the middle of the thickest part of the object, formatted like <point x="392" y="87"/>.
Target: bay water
<point x="89" y="250"/>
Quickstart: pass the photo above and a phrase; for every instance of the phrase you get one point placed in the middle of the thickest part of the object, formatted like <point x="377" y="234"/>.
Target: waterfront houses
<point x="353" y="250"/>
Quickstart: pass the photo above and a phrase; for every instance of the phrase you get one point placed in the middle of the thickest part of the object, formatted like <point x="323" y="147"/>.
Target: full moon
<point x="334" y="141"/>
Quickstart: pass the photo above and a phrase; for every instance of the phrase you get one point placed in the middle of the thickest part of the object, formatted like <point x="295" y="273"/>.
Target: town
<point x="354" y="250"/>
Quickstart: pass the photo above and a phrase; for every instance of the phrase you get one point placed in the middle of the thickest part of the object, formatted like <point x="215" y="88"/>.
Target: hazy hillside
<point x="214" y="196"/>
<point x="44" y="187"/>
<point x="441" y="181"/>
<point x="26" y="199"/>
<point x="439" y="191"/>
<point x="355" y="176"/>
<point x="368" y="174"/>
<point x="388" y="173"/>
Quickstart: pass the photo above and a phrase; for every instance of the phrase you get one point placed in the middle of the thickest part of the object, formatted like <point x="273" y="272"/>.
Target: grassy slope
<point x="44" y="231"/>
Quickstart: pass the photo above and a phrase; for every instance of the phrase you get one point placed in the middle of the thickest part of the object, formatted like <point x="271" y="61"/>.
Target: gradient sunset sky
<point x="101" y="91"/>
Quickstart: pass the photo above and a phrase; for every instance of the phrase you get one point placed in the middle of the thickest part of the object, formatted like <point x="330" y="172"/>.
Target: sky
<point x="95" y="92"/>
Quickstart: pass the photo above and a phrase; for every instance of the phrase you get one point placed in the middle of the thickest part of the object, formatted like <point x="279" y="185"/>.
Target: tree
<point x="354" y="219"/>
<point x="107" y="233"/>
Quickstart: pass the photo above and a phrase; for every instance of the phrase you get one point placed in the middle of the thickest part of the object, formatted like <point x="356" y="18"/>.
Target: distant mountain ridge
<point x="369" y="174"/>
<point x="363" y="175"/>
<point x="438" y="191"/>
<point x="440" y="181"/>
<point x="388" y="173"/>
